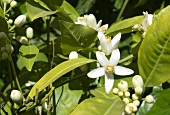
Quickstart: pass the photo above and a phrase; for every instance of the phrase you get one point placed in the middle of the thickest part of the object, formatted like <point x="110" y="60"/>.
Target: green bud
<point x="9" y="49"/>
<point x="4" y="55"/>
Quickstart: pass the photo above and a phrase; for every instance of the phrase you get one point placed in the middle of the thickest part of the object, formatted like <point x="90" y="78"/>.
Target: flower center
<point x="103" y="28"/>
<point x="81" y="18"/>
<point x="109" y="68"/>
<point x="108" y="38"/>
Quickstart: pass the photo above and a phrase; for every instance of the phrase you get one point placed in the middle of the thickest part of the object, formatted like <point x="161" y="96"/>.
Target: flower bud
<point x="16" y="96"/>
<point x="29" y="32"/>
<point x="127" y="94"/>
<point x="123" y="86"/>
<point x="135" y="97"/>
<point x="99" y="48"/>
<point x="20" y="20"/>
<point x="138" y="90"/>
<point x="73" y="55"/>
<point x="149" y="99"/>
<point x="3" y="36"/>
<point x="115" y="90"/>
<point x="137" y="81"/>
<point x="126" y="100"/>
<point x="120" y="93"/>
<point x="10" y="21"/>
<point x="4" y="55"/>
<point x="23" y="40"/>
<point x="13" y="4"/>
<point x="3" y="49"/>
<point x="136" y="102"/>
<point x="130" y="108"/>
<point x="9" y="48"/>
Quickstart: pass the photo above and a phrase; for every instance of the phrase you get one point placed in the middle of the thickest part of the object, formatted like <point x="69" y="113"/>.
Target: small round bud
<point x="120" y="93"/>
<point x="73" y="55"/>
<point x="126" y="100"/>
<point x="130" y="108"/>
<point x="3" y="35"/>
<point x="138" y="90"/>
<point x="9" y="48"/>
<point x="83" y="68"/>
<point x="149" y="99"/>
<point x="13" y="4"/>
<point x="16" y="96"/>
<point x="136" y="102"/>
<point x="99" y="48"/>
<point x="20" y="20"/>
<point x="137" y="81"/>
<point x="127" y="94"/>
<point x="29" y="32"/>
<point x="135" y="97"/>
<point x="115" y="90"/>
<point x="10" y="21"/>
<point x="123" y="86"/>
<point x="3" y="49"/>
<point x="4" y="55"/>
<point x="23" y="40"/>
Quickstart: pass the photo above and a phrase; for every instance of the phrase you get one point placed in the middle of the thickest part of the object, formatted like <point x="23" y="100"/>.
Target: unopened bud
<point x="136" y="102"/>
<point x="16" y="96"/>
<point x="29" y="32"/>
<point x="20" y="20"/>
<point x="9" y="49"/>
<point x="135" y="97"/>
<point x="115" y="90"/>
<point x="123" y="86"/>
<point x="10" y="21"/>
<point x="137" y="81"/>
<point x="126" y="100"/>
<point x="127" y="94"/>
<point x="138" y="90"/>
<point x="13" y="4"/>
<point x="120" y="93"/>
<point x="4" y="55"/>
<point x="3" y="36"/>
<point x="149" y="99"/>
<point x="23" y="40"/>
<point x="73" y="55"/>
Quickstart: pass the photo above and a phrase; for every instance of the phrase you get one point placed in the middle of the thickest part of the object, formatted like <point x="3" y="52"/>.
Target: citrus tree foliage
<point x="59" y="57"/>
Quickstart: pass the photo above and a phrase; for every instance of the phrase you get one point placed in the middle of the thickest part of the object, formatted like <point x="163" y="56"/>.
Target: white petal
<point x="115" y="41"/>
<point x="96" y="72"/>
<point x="106" y="47"/>
<point x="122" y="71"/>
<point x="99" y="24"/>
<point x="150" y="19"/>
<point x="109" y="82"/>
<point x="115" y="57"/>
<point x="101" y="58"/>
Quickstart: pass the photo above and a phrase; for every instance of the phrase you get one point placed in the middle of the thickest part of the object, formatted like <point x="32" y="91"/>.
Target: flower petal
<point x="96" y="72"/>
<point x="101" y="58"/>
<point x="105" y="46"/>
<point x="115" y="41"/>
<point x="122" y="71"/>
<point x="109" y="82"/>
<point x="115" y="57"/>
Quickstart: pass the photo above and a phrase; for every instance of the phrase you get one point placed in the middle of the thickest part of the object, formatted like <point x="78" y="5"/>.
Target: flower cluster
<point x="132" y="101"/>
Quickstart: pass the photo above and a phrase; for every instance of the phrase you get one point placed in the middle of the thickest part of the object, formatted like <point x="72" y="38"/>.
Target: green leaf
<point x="3" y="23"/>
<point x="75" y="36"/>
<point x="100" y="106"/>
<point x="154" y="52"/>
<point x="64" y="99"/>
<point x="140" y="3"/>
<point x="28" y="55"/>
<point x="162" y="105"/>
<point x="57" y="72"/>
<point x="124" y="26"/>
<point x="35" y="10"/>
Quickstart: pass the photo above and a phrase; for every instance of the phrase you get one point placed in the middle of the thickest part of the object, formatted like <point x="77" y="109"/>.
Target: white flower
<point x="123" y="86"/>
<point x="108" y="45"/>
<point x="90" y="21"/>
<point x="137" y="81"/>
<point x="16" y="96"/>
<point x="20" y="20"/>
<point x="130" y="108"/>
<point x="29" y="32"/>
<point x="108" y="68"/>
<point x="147" y="21"/>
<point x="73" y="55"/>
<point x="149" y="99"/>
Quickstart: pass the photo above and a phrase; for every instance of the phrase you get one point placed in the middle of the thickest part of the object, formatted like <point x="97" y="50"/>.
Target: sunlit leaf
<point x="57" y="72"/>
<point x="154" y="52"/>
<point x="28" y="55"/>
<point x="124" y="26"/>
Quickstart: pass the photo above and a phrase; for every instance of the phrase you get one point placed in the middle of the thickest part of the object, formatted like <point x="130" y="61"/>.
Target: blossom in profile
<point x="109" y="68"/>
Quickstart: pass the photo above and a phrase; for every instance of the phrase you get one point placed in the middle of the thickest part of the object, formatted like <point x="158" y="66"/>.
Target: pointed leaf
<point x="57" y="72"/>
<point x="100" y="106"/>
<point x="154" y="52"/>
<point x="28" y="55"/>
<point x="124" y="26"/>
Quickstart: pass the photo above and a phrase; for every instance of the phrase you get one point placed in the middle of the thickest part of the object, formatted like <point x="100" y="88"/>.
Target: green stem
<point x="4" y="7"/>
<point x="16" y="78"/>
<point x="12" y="28"/>
<point x="122" y="10"/>
<point x="10" y="75"/>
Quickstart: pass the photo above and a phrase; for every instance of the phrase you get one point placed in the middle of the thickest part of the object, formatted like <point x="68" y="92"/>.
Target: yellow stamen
<point x="109" y="68"/>
<point x="103" y="28"/>
<point x="81" y="18"/>
<point x="108" y="38"/>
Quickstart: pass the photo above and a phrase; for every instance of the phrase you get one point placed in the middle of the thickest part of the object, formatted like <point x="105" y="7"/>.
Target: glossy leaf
<point x="57" y="72"/>
<point x="3" y="23"/>
<point x="64" y="99"/>
<point x="124" y="26"/>
<point x="35" y="10"/>
<point x="162" y="105"/>
<point x="75" y="36"/>
<point x="28" y="55"/>
<point x="100" y="106"/>
<point x="154" y="52"/>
